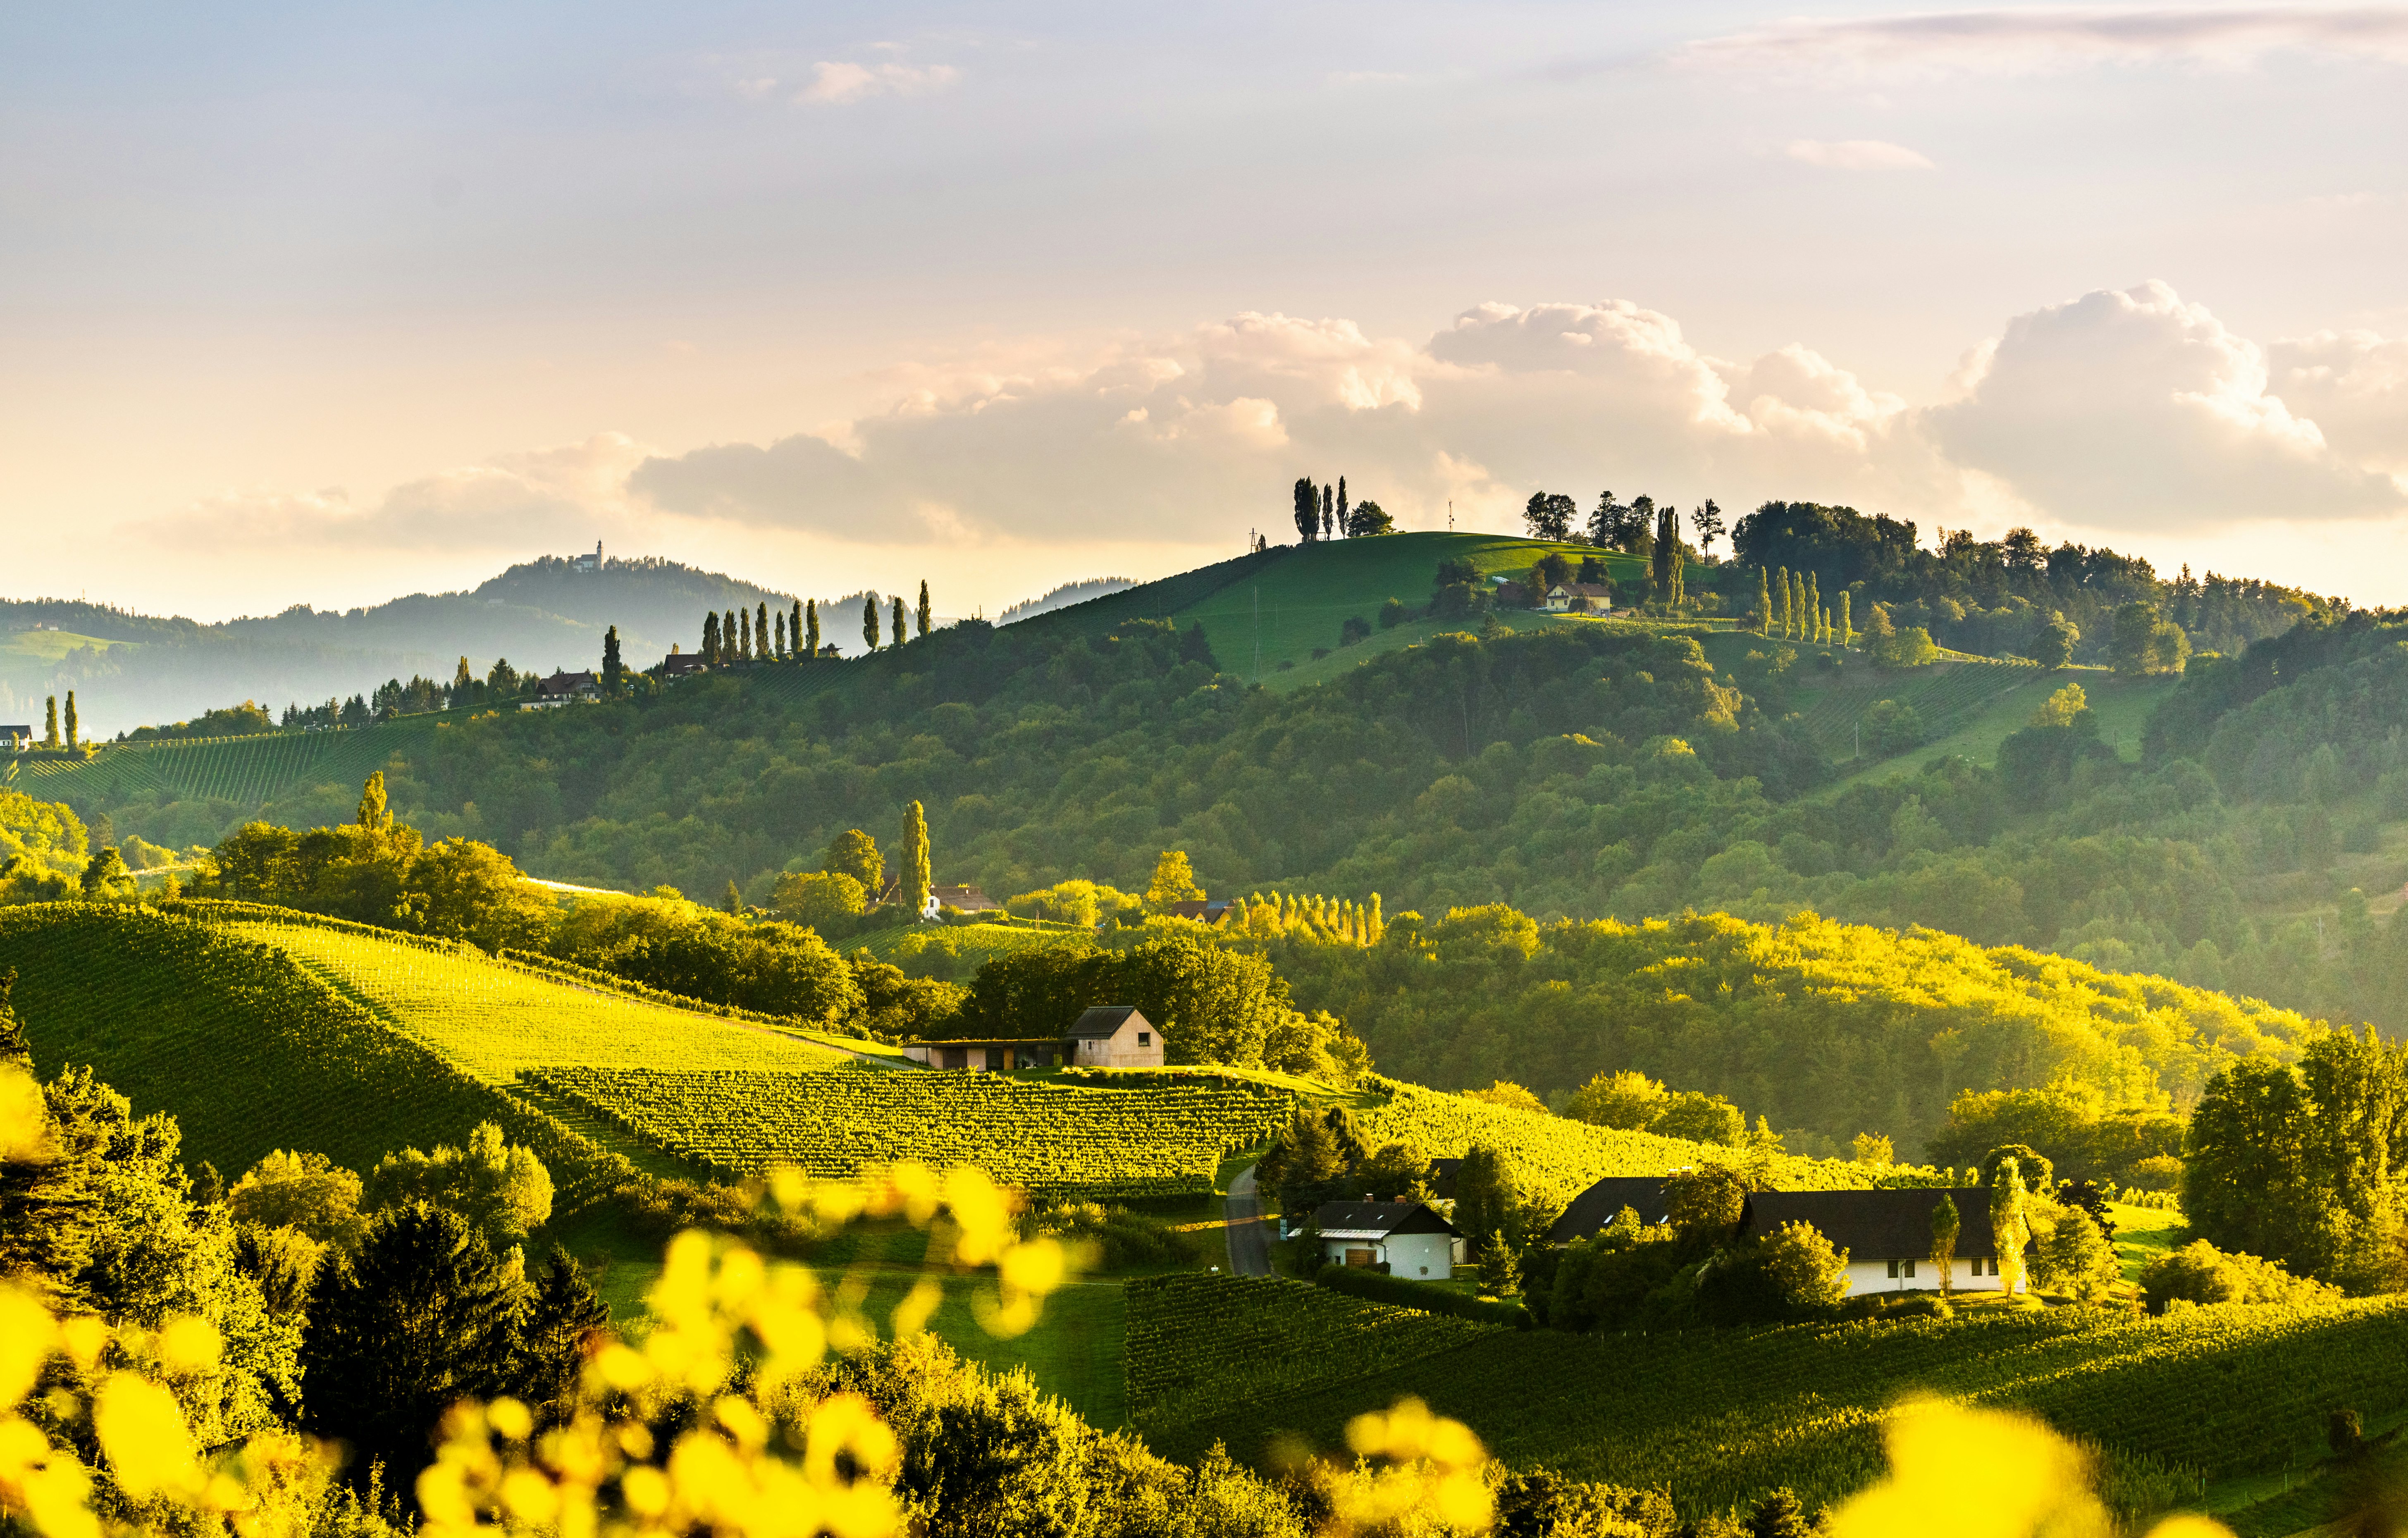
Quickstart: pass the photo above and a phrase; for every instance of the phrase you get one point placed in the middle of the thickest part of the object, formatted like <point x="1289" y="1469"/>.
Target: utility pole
<point x="1449" y="515"/>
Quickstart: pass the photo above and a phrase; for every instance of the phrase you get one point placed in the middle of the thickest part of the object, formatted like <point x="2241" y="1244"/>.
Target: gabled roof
<point x="1602" y="1202"/>
<point x="1102" y="1020"/>
<point x="1581" y="590"/>
<point x="1208" y="912"/>
<point x="1876" y="1225"/>
<point x="1376" y="1219"/>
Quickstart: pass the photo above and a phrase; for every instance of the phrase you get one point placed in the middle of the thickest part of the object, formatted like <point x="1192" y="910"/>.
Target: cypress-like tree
<point x="1945" y="1223"/>
<point x="922" y="619"/>
<point x="614" y="672"/>
<point x="898" y="619"/>
<point x="2008" y="1229"/>
<point x="1781" y="601"/>
<point x="1328" y="511"/>
<point x="1763" y="602"/>
<point x="71" y="719"/>
<point x="1341" y="505"/>
<point x="1814" y="601"/>
<point x="781" y="635"/>
<point x="917" y="876"/>
<point x="744" y="634"/>
<point x="733" y="899"/>
<point x="728" y="650"/>
<point x="1307" y="510"/>
<point x="761" y="632"/>
<point x="869" y="620"/>
<point x="1797" y="609"/>
<point x="811" y="630"/>
<point x="1847" y="626"/>
<point x="372" y="815"/>
<point x="794" y="632"/>
<point x="51" y="723"/>
<point x="711" y="641"/>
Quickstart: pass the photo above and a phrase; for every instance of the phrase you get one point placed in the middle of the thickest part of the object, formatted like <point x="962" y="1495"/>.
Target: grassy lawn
<point x="2142" y="1235"/>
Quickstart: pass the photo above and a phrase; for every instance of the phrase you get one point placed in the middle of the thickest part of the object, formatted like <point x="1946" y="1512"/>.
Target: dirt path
<point x="1250" y="1240"/>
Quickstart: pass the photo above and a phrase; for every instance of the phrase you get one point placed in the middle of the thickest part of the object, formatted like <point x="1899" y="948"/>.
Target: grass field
<point x="497" y="1021"/>
<point x="1970" y="708"/>
<point x="247" y="771"/>
<point x="31" y="654"/>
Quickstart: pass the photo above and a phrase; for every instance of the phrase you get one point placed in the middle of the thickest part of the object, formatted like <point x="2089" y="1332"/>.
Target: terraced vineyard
<point x="249" y="1051"/>
<point x="1050" y="1139"/>
<point x="1720" y="1416"/>
<point x="245" y="771"/>
<point x="497" y="1020"/>
<point x="1208" y="1344"/>
<point x="1553" y="1159"/>
<point x="1945" y="696"/>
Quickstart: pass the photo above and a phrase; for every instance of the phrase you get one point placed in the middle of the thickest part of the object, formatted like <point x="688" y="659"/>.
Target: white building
<point x="1887" y="1234"/>
<point x="1406" y="1237"/>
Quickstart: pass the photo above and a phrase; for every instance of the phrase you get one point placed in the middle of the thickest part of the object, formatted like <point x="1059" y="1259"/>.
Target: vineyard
<point x="1720" y="1416"/>
<point x="497" y="1020"/>
<point x="245" y="771"/>
<point x="1130" y="1144"/>
<point x="1208" y="1344"/>
<point x="1945" y="696"/>
<point x="250" y="1052"/>
<point x="1553" y="1159"/>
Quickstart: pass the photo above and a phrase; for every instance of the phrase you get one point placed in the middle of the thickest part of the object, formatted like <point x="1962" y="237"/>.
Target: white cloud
<point x="2000" y="41"/>
<point x="2138" y="410"/>
<point x="843" y="81"/>
<point x="1857" y="155"/>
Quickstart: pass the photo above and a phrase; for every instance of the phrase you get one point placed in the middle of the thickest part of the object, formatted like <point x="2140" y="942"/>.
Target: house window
<point x="1145" y="1038"/>
<point x="1906" y="1268"/>
<point x="1893" y="1267"/>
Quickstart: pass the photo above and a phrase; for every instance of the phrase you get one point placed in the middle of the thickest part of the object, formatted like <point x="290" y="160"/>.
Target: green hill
<point x="1720" y="1417"/>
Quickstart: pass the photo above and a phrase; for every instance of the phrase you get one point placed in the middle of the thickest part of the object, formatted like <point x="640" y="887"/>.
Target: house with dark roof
<point x="16" y="739"/>
<point x="1202" y="913"/>
<point x="1105" y="1036"/>
<point x="990" y="1055"/>
<point x="1596" y="1208"/>
<point x="1887" y="1234"/>
<point x="562" y="689"/>
<point x="1581" y="598"/>
<point x="678" y="665"/>
<point x="1405" y="1236"/>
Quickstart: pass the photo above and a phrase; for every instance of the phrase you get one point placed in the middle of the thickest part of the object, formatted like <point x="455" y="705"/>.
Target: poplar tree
<point x="1814" y="601"/>
<point x="869" y="620"/>
<point x="811" y="630"/>
<point x="1784" y="603"/>
<point x="1308" y="509"/>
<point x="916" y="876"/>
<point x="761" y="632"/>
<point x="2008" y="1229"/>
<point x="898" y="619"/>
<point x="1342" y="504"/>
<point x="614" y="670"/>
<point x="744" y="634"/>
<point x="922" y="617"/>
<point x="711" y="641"/>
<point x="795" y="631"/>
<point x="1847" y="626"/>
<point x="372" y="815"/>
<point x="1797" y="609"/>
<point x="51" y="723"/>
<point x="1763" y="602"/>
<point x="71" y="719"/>
<point x="1328" y="511"/>
<point x="1945" y="1224"/>
<point x="781" y="635"/>
<point x="728" y="649"/>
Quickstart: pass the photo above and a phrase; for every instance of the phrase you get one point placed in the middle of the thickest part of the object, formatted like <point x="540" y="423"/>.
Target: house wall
<point x="1122" y="1049"/>
<point x="1421" y="1256"/>
<point x="1872" y="1276"/>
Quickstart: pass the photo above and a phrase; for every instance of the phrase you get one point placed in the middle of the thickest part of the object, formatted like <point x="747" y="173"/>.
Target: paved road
<point x="1250" y="1239"/>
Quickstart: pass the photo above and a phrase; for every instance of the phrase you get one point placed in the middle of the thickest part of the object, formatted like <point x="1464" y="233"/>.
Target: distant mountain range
<point x="130" y="670"/>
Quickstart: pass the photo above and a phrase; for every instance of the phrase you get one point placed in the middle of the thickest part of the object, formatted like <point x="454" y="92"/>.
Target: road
<point x="1250" y="1240"/>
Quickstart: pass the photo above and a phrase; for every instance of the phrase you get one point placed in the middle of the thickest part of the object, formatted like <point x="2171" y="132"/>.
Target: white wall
<point x="1866" y="1277"/>
<point x="1422" y="1256"/>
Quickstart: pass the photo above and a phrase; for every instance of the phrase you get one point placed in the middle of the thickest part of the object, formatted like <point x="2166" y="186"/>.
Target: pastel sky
<point x="312" y="303"/>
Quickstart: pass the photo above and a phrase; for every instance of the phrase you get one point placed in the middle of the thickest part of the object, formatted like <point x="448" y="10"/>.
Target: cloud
<point x="1857" y="155"/>
<point x="559" y="497"/>
<point x="2137" y="410"/>
<point x="836" y="84"/>
<point x="2000" y="41"/>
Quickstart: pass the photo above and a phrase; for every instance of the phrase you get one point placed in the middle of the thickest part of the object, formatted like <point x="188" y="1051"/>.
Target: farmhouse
<point x="967" y="899"/>
<point x="1403" y="1238"/>
<point x="1602" y="1203"/>
<point x="1105" y="1036"/>
<point x="1580" y="599"/>
<point x="678" y="665"/>
<point x="1201" y="911"/>
<point x="562" y="688"/>
<point x="1887" y="1234"/>
<point x="16" y="739"/>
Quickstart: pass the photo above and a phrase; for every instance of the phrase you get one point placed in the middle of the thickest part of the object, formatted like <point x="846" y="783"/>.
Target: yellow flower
<point x="143" y="1432"/>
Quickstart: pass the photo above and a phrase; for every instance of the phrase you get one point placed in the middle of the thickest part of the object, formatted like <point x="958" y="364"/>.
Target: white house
<point x="1581" y="598"/>
<point x="1404" y="1236"/>
<point x="1887" y="1234"/>
<point x="562" y="689"/>
<point x="16" y="739"/>
<point x="1114" y="1036"/>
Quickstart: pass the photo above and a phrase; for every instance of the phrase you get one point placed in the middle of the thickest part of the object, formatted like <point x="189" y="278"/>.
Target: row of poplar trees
<point x="763" y="637"/>
<point x="1790" y="605"/>
<point x="51" y="722"/>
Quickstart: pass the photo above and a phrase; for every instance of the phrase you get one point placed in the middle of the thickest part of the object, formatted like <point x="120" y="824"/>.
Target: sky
<point x="328" y="303"/>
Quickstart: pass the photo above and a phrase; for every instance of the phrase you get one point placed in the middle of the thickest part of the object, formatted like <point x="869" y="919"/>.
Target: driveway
<point x="1250" y="1239"/>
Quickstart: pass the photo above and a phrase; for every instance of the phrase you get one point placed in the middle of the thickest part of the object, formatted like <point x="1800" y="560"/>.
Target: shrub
<point x="1891" y="727"/>
<point x="1394" y="613"/>
<point x="1355" y="629"/>
<point x="827" y="901"/>
<point x="2199" y="1272"/>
